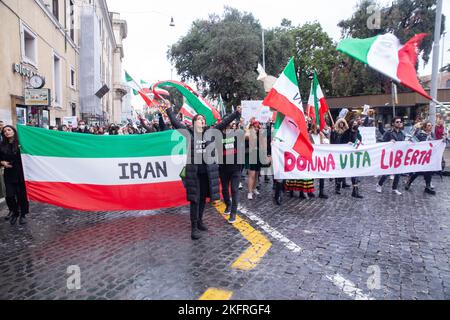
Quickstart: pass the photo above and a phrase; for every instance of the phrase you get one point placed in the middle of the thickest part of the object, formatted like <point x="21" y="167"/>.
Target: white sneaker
<point x="250" y="196"/>
<point x="256" y="192"/>
<point x="241" y="186"/>
<point x="397" y="192"/>
<point x="379" y="189"/>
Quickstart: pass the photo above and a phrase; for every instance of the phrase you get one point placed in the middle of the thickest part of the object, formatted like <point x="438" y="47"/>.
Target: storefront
<point x="33" y="107"/>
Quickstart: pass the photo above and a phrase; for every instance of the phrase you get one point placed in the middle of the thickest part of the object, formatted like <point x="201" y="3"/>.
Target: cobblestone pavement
<point x="149" y="255"/>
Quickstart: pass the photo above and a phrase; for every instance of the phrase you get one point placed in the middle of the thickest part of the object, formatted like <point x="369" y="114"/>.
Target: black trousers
<point x="426" y="175"/>
<point x="16" y="198"/>
<point x="198" y="207"/>
<point x="394" y="185"/>
<point x="231" y="178"/>
<point x="340" y="181"/>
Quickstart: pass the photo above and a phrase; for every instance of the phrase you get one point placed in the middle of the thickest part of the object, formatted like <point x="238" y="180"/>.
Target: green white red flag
<point x="103" y="173"/>
<point x="193" y="100"/>
<point x="387" y="55"/>
<point x="291" y="124"/>
<point x="317" y="105"/>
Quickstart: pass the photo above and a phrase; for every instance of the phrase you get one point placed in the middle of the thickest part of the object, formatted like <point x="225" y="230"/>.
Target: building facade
<point x="101" y="54"/>
<point x="39" y="50"/>
<point x="63" y="58"/>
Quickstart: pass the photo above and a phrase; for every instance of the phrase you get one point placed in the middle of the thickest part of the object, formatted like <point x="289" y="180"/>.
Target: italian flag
<point x="103" y="173"/>
<point x="317" y="105"/>
<point x="137" y="90"/>
<point x="286" y="99"/>
<point x="193" y="100"/>
<point x="387" y="55"/>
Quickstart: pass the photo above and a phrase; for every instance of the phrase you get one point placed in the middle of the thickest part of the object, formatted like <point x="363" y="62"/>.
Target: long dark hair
<point x="5" y="140"/>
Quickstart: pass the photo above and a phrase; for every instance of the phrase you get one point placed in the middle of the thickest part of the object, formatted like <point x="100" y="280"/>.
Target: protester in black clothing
<point x="10" y="159"/>
<point x="230" y="170"/>
<point x="336" y="137"/>
<point x="352" y="136"/>
<point x="425" y="134"/>
<point x="393" y="135"/>
<point x="202" y="178"/>
<point x="82" y="128"/>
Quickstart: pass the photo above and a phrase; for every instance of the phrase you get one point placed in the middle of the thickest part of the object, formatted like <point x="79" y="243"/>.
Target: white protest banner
<point x="72" y="121"/>
<point x="368" y="135"/>
<point x="255" y="109"/>
<point x="344" y="161"/>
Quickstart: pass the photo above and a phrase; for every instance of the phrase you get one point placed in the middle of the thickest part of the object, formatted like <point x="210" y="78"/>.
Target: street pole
<point x="263" y="50"/>
<point x="436" y="51"/>
<point x="394" y="97"/>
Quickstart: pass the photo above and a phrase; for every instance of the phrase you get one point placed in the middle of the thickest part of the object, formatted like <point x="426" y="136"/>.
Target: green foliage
<point x="221" y="54"/>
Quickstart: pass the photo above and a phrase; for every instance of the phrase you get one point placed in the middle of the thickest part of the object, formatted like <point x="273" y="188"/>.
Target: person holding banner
<point x="317" y="137"/>
<point x="393" y="135"/>
<point x="230" y="171"/>
<point x="353" y="137"/>
<point x="11" y="160"/>
<point x="425" y="134"/>
<point x="336" y="137"/>
<point x="202" y="177"/>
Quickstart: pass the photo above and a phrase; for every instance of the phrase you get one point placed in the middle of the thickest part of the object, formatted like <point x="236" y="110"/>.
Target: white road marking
<point x="347" y="286"/>
<point x="271" y="231"/>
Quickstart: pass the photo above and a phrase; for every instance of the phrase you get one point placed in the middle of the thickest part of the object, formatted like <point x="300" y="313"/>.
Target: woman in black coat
<point x="10" y="159"/>
<point x="202" y="178"/>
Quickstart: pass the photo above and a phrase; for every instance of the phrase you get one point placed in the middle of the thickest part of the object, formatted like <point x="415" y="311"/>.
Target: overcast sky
<point x="149" y="33"/>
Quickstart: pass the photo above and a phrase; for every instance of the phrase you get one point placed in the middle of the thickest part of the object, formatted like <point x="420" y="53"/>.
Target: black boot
<point x="291" y="194"/>
<point x="195" y="234"/>
<point x="430" y="191"/>
<point x="22" y="220"/>
<point x="311" y="195"/>
<point x="338" y="188"/>
<point x="14" y="218"/>
<point x="322" y="195"/>
<point x="278" y="189"/>
<point x="201" y="226"/>
<point x="302" y="195"/>
<point x="355" y="193"/>
<point x="8" y="216"/>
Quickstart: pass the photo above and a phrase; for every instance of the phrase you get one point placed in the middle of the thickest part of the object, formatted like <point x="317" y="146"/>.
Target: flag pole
<point x="331" y="117"/>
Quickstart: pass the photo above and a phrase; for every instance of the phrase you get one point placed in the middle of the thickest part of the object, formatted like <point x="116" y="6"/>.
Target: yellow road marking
<point x="216" y="294"/>
<point x="259" y="243"/>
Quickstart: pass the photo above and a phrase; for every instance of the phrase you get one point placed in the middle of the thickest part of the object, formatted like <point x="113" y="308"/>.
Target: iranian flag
<point x="137" y="90"/>
<point x="317" y="105"/>
<point x="103" y="173"/>
<point x="286" y="99"/>
<point x="193" y="100"/>
<point x="187" y="112"/>
<point x="387" y="55"/>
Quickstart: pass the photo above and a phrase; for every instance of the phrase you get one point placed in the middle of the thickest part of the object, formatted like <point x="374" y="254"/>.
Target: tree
<point x="314" y="50"/>
<point x="404" y="18"/>
<point x="220" y="55"/>
<point x="311" y="48"/>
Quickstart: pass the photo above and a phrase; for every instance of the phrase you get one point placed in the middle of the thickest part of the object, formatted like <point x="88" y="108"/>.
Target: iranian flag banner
<point x="317" y="105"/>
<point x="286" y="99"/>
<point x="137" y="90"/>
<point x="103" y="173"/>
<point x="187" y="112"/>
<point x="387" y="55"/>
<point x="193" y="100"/>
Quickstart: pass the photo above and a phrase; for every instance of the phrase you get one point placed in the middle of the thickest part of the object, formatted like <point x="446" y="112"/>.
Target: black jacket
<point x="14" y="174"/>
<point x="192" y="182"/>
<point x="393" y="135"/>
